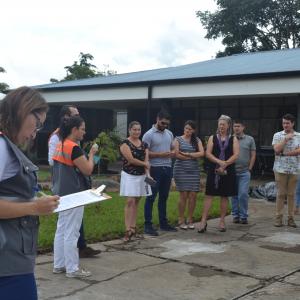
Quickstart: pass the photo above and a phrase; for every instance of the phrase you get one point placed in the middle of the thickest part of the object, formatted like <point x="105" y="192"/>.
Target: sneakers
<point x="278" y="221"/>
<point x="236" y="220"/>
<point x="244" y="221"/>
<point x="59" y="270"/>
<point x="183" y="226"/>
<point x="81" y="273"/>
<point x="291" y="222"/>
<point x="191" y="226"/>
<point x="150" y="231"/>
<point x="88" y="252"/>
<point x="168" y="227"/>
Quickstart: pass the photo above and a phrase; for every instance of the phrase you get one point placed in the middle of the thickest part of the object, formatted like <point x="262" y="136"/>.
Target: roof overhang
<point x="263" y="86"/>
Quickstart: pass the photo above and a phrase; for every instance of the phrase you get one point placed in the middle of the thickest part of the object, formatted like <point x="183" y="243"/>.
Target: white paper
<point x="79" y="199"/>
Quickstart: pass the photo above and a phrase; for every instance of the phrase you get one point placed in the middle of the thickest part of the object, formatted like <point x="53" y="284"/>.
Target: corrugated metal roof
<point x="246" y="64"/>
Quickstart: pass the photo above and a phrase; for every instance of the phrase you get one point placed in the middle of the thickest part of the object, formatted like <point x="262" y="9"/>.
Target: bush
<point x="108" y="142"/>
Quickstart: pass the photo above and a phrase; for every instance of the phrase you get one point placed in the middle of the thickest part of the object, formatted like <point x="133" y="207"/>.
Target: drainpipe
<point x="149" y="100"/>
<point x="298" y="114"/>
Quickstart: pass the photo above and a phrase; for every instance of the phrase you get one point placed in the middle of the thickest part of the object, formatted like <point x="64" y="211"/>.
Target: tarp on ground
<point x="264" y="191"/>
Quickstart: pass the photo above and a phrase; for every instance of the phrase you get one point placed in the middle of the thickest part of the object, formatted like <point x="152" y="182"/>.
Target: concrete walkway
<point x="255" y="261"/>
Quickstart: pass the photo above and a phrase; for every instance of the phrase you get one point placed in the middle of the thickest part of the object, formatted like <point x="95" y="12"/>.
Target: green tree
<point x="253" y="25"/>
<point x="83" y="69"/>
<point x="3" y="86"/>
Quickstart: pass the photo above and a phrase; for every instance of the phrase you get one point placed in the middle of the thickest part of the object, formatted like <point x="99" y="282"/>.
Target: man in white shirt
<point x="286" y="146"/>
<point x="65" y="112"/>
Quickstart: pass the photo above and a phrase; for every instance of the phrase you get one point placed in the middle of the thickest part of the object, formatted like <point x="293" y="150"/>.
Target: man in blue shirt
<point x="160" y="145"/>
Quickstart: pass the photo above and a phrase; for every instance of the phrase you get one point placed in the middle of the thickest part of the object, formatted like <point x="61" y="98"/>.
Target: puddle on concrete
<point x="178" y="248"/>
<point x="290" y="239"/>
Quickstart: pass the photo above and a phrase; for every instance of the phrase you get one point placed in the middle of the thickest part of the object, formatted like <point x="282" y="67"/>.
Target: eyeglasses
<point x="39" y="125"/>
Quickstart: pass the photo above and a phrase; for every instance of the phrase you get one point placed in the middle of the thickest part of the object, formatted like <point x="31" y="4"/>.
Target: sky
<point x="40" y="38"/>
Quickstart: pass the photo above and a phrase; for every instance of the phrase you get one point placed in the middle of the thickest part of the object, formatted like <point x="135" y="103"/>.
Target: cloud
<point x="42" y="37"/>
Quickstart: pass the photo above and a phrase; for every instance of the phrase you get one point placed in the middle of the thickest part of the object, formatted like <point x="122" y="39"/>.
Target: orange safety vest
<point x="64" y="154"/>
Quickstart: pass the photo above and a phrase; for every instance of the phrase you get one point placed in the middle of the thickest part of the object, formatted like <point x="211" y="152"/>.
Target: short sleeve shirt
<point x="247" y="145"/>
<point x="9" y="165"/>
<point x="287" y="164"/>
<point x="159" y="141"/>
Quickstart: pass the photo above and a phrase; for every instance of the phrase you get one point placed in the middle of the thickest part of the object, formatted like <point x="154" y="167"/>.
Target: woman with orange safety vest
<point x="70" y="169"/>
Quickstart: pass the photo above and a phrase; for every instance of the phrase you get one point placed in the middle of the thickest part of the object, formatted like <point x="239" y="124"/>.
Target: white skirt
<point x="134" y="185"/>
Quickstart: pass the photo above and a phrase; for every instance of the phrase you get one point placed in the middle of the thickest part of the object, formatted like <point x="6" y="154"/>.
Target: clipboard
<point x="82" y="198"/>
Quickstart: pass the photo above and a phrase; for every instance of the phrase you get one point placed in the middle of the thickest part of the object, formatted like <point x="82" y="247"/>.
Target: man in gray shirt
<point x="243" y="167"/>
<point x="159" y="140"/>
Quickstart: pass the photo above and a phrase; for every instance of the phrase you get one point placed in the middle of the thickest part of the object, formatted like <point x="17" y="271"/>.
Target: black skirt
<point x="227" y="184"/>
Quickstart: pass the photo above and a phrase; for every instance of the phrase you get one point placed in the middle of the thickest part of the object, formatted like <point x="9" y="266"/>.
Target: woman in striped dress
<point x="188" y="149"/>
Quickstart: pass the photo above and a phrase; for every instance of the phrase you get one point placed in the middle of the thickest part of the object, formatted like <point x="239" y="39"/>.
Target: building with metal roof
<point x="256" y="87"/>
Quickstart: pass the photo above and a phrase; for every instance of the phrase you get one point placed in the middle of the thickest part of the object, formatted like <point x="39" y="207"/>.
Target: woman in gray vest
<point x="22" y="114"/>
<point x="70" y="170"/>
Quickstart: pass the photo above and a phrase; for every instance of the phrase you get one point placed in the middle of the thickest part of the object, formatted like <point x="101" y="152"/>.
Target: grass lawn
<point x="105" y="220"/>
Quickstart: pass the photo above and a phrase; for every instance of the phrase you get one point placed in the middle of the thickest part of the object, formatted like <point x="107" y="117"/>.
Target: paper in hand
<point x="81" y="198"/>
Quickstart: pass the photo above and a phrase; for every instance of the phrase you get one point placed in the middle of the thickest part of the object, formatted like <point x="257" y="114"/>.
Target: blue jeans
<point x="239" y="203"/>
<point x="163" y="176"/>
<point x="18" y="287"/>
<point x="298" y="193"/>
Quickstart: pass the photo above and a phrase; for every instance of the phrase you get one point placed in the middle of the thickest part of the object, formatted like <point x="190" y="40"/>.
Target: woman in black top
<point x="135" y="166"/>
<point x="222" y="151"/>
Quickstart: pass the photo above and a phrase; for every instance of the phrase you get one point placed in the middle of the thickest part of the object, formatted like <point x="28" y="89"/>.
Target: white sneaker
<point x="191" y="226"/>
<point x="183" y="226"/>
<point x="81" y="273"/>
<point x="59" y="270"/>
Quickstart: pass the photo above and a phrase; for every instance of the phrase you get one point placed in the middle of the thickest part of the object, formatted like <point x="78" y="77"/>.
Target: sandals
<point x="222" y="227"/>
<point x="128" y="236"/>
<point x="202" y="229"/>
<point x="135" y="234"/>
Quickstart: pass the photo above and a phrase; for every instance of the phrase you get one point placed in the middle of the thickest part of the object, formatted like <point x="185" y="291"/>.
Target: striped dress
<point x="186" y="172"/>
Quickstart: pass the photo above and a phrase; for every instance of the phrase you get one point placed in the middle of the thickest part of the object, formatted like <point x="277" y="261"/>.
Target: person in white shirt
<point x="286" y="146"/>
<point x="66" y="111"/>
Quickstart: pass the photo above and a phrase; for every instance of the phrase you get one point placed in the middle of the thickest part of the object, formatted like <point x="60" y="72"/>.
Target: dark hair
<point x="194" y="140"/>
<point x="131" y="124"/>
<point x="163" y="115"/>
<point x="289" y="117"/>
<point x="65" y="111"/>
<point x="67" y="124"/>
<point x="238" y="121"/>
<point x="16" y="106"/>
